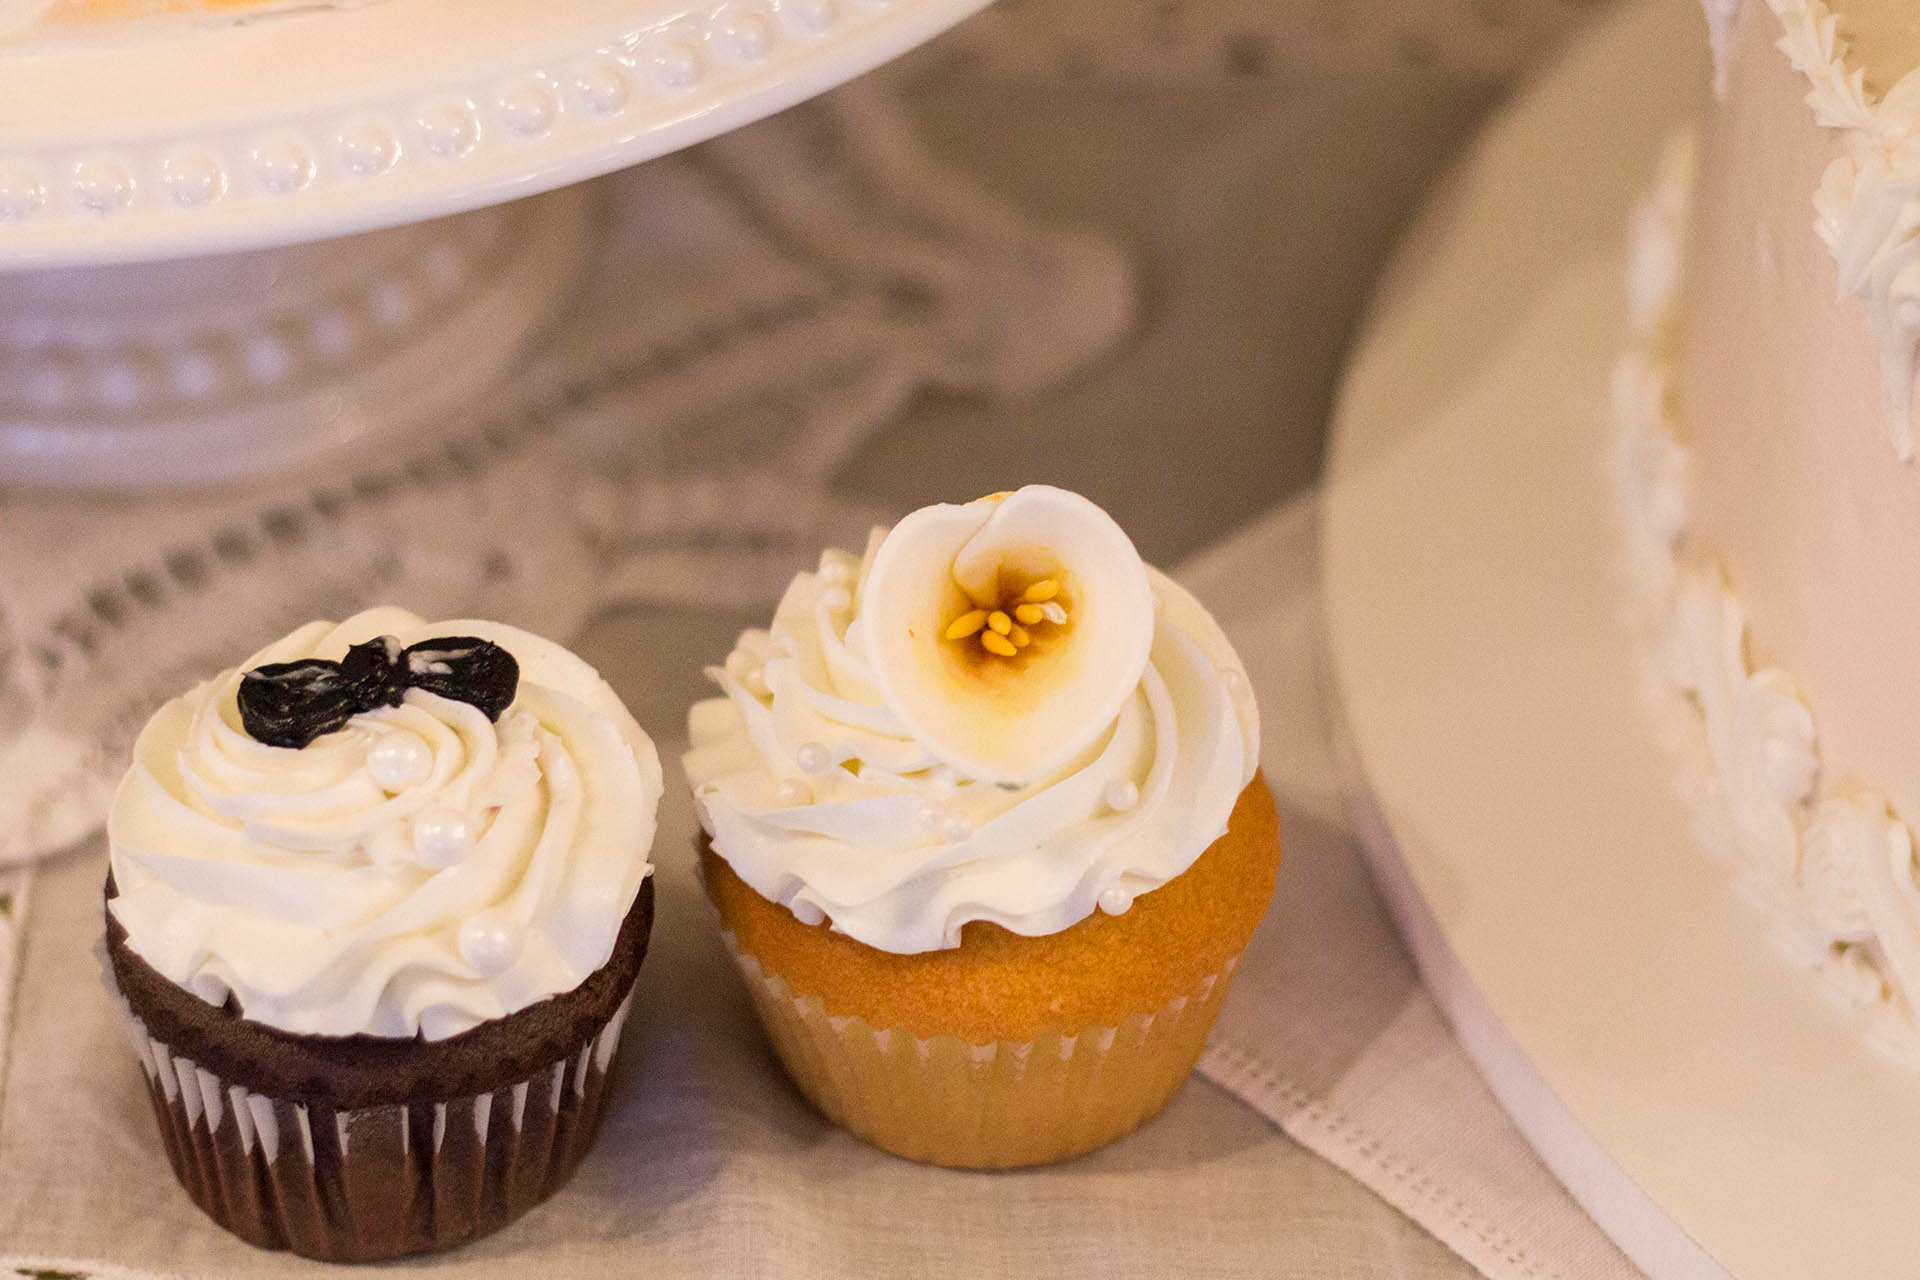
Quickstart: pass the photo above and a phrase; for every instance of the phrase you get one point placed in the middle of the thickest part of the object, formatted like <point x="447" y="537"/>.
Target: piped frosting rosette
<point x="420" y="870"/>
<point x="998" y="713"/>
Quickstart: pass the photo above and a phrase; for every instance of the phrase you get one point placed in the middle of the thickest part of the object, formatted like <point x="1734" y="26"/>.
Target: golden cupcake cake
<point x="985" y="831"/>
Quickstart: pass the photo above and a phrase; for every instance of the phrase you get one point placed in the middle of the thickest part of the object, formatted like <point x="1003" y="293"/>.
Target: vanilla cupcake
<point x="376" y="903"/>
<point x="984" y="830"/>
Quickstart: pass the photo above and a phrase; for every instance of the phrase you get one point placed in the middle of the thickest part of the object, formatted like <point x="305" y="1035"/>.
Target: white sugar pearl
<point x="955" y="827"/>
<point x="835" y="573"/>
<point x="837" y="601"/>
<point x="807" y="913"/>
<point x="400" y="760"/>
<point x="441" y="838"/>
<point x="814" y="758"/>
<point x="1121" y="795"/>
<point x="929" y="817"/>
<point x="491" y="943"/>
<point x="756" y="682"/>
<point x="793" y="792"/>
<point x="1115" y="901"/>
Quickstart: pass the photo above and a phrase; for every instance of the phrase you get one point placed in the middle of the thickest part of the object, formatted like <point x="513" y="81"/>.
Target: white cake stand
<point x="124" y="152"/>
<point x="1690" y="1089"/>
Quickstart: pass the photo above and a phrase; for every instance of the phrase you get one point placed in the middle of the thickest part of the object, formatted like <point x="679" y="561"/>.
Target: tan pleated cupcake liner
<point x="375" y="1182"/>
<point x="1009" y="1103"/>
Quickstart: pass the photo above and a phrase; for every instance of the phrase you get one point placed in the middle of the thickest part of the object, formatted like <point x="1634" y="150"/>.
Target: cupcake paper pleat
<point x="999" y="1105"/>
<point x="381" y="1181"/>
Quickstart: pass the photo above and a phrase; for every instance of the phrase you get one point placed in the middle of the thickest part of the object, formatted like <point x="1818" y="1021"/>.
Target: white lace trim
<point x="1826" y="863"/>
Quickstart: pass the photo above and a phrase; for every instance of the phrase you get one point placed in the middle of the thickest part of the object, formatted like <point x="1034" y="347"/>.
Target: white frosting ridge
<point x="825" y="798"/>
<point x="1826" y="863"/>
<point x="418" y="872"/>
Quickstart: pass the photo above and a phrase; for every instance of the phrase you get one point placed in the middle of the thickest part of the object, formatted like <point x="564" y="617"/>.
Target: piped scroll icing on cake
<point x="459" y="835"/>
<point x="1867" y="207"/>
<point x="1826" y="863"/>
<point x="920" y="741"/>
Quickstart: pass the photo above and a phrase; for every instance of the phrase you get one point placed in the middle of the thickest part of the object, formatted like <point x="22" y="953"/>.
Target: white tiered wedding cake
<point x="1768" y="445"/>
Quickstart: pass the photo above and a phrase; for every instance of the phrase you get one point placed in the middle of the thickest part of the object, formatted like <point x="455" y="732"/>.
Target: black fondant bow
<point x="289" y="704"/>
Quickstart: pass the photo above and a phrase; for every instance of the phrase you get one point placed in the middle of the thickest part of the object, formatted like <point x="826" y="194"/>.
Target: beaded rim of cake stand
<point x="624" y="95"/>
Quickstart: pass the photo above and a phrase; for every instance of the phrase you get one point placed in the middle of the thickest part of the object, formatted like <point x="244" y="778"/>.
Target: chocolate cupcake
<point x="376" y="905"/>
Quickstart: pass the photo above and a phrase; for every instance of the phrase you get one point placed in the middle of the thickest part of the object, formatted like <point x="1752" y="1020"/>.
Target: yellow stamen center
<point x="966" y="624"/>
<point x="1003" y="632"/>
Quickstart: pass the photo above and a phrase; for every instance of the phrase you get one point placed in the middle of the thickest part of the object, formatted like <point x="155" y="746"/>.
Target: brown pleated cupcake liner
<point x="945" y="1101"/>
<point x="380" y="1181"/>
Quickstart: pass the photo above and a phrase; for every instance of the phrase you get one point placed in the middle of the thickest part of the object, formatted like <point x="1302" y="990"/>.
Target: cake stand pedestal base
<point x="213" y="370"/>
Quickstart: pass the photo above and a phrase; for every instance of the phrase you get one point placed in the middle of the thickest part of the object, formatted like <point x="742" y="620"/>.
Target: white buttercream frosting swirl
<point x="837" y="785"/>
<point x="418" y="872"/>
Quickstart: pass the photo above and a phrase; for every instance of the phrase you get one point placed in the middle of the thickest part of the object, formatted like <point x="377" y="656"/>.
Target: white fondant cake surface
<point x="1884" y="36"/>
<point x="1755" y="404"/>
<point x="1794" y="488"/>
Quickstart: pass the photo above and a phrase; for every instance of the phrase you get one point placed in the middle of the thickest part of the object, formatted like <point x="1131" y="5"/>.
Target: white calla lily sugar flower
<point x="1007" y="633"/>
